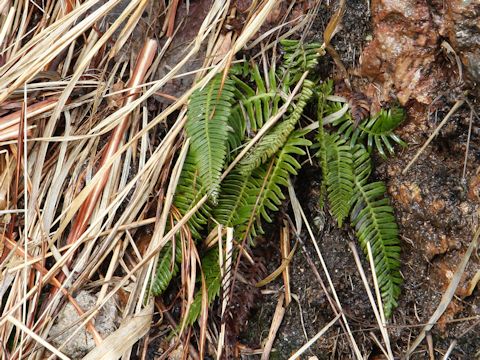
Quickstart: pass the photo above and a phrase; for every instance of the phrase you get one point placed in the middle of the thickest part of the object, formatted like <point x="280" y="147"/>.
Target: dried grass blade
<point x="333" y="24"/>
<point x="131" y="330"/>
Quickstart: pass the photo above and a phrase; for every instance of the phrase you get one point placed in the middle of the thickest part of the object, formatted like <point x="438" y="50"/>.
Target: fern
<point x="257" y="105"/>
<point x="284" y="165"/>
<point x="213" y="279"/>
<point x="243" y="196"/>
<point x="167" y="267"/>
<point x="187" y="194"/>
<point x="236" y="189"/>
<point x="207" y="127"/>
<point x="378" y="130"/>
<point x="336" y="160"/>
<point x="374" y="222"/>
<point x="222" y="119"/>
<point x="297" y="58"/>
<point x="277" y="136"/>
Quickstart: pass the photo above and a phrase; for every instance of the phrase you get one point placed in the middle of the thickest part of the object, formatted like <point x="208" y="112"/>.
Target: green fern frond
<point x="188" y="192"/>
<point x="298" y="57"/>
<point x="236" y="132"/>
<point x="336" y="160"/>
<point x="257" y="104"/>
<point x="284" y="165"/>
<point x="252" y="195"/>
<point x="247" y="222"/>
<point x="378" y="130"/>
<point x="276" y="137"/>
<point x="207" y="126"/>
<point x="213" y="279"/>
<point x="374" y="222"/>
<point x="167" y="267"/>
<point x="236" y="190"/>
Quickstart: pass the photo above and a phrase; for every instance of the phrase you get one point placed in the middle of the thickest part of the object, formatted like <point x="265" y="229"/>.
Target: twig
<point x="452" y="111"/>
<point x="39" y="339"/>
<point x="380" y="321"/>
<point x="285" y="249"/>
<point x="332" y="287"/>
<point x="467" y="147"/>
<point x="276" y="322"/>
<point x="54" y="281"/>
<point x="300" y="351"/>
<point x="448" y="295"/>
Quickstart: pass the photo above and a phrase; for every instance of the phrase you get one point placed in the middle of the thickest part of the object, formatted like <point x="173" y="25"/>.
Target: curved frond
<point x="259" y="104"/>
<point x="298" y="57"/>
<point x="207" y="126"/>
<point x="374" y="222"/>
<point x="188" y="192"/>
<point x="236" y="190"/>
<point x="378" y="129"/>
<point x="336" y="160"/>
<point x="276" y="137"/>
<point x="284" y="164"/>
<point x="167" y="267"/>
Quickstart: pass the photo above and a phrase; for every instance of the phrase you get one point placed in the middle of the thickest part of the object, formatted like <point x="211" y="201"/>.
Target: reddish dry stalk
<point x="9" y="124"/>
<point x="11" y="245"/>
<point x="171" y="18"/>
<point x="144" y="60"/>
<point x="17" y="173"/>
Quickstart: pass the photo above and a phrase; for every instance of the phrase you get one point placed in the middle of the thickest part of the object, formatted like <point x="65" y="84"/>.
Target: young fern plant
<point x="224" y="118"/>
<point x="220" y="121"/>
<point x="346" y="168"/>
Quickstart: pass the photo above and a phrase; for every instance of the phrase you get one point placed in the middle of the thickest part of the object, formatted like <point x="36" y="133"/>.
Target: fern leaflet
<point x="297" y="58"/>
<point x="187" y="194"/>
<point x="167" y="267"/>
<point x="284" y="165"/>
<point x="378" y="130"/>
<point x="336" y="161"/>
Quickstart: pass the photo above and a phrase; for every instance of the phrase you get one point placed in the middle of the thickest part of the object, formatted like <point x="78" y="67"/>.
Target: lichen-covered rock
<point x="67" y="322"/>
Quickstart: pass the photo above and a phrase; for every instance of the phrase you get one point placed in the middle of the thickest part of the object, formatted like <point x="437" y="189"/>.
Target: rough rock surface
<point x="402" y="55"/>
<point x="462" y="27"/>
<point x="68" y="321"/>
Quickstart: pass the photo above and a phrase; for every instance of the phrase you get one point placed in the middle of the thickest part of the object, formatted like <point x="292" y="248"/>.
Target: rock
<point x="402" y="55"/>
<point x="462" y="27"/>
<point x="106" y="322"/>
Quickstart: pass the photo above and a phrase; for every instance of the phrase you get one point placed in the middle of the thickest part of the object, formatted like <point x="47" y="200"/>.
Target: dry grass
<point x="84" y="164"/>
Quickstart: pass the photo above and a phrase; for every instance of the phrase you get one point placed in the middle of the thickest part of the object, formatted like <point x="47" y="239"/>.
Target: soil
<point x="435" y="205"/>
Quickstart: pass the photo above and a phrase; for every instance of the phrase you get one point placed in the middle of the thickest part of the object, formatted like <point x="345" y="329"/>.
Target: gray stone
<point x="106" y="322"/>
